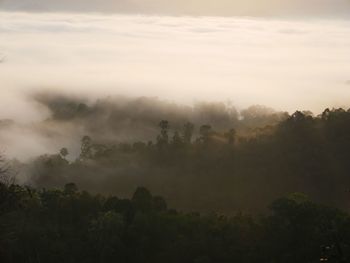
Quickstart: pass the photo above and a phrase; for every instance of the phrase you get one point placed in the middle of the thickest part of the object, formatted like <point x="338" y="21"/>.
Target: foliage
<point x="206" y="169"/>
<point x="74" y="226"/>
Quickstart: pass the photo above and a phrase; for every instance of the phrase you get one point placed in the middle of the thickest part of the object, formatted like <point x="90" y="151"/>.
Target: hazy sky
<point x="196" y="7"/>
<point x="286" y="54"/>
<point x="285" y="64"/>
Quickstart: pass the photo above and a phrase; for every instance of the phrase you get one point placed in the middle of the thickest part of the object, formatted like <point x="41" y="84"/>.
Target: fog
<point x="219" y="108"/>
<point x="117" y="119"/>
<point x="245" y="60"/>
<point x="286" y="64"/>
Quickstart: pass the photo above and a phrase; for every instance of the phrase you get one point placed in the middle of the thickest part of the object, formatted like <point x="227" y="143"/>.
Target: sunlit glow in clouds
<point x="286" y="64"/>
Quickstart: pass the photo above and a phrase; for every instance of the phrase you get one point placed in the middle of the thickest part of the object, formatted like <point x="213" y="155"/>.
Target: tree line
<point x="203" y="169"/>
<point x="68" y="225"/>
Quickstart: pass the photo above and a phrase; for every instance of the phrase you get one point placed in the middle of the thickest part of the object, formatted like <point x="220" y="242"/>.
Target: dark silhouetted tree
<point x="64" y="152"/>
<point x="70" y="189"/>
<point x="188" y="132"/>
<point x="142" y="199"/>
<point x="86" y="148"/>
<point x="163" y="138"/>
<point x="5" y="175"/>
<point x="205" y="132"/>
<point x="159" y="204"/>
<point x="177" y="140"/>
<point x="231" y="136"/>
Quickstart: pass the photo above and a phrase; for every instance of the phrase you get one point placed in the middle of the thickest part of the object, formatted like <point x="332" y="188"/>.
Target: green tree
<point x="86" y="148"/>
<point x="105" y="234"/>
<point x="64" y="152"/>
<point x="206" y="132"/>
<point x="188" y="132"/>
<point x="70" y="189"/>
<point x="177" y="140"/>
<point x="142" y="199"/>
<point x="4" y="171"/>
<point x="231" y="136"/>
<point x="163" y="138"/>
<point x="159" y="204"/>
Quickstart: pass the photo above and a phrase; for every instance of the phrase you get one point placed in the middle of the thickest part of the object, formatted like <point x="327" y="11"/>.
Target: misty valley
<point x="153" y="131"/>
<point x="213" y="184"/>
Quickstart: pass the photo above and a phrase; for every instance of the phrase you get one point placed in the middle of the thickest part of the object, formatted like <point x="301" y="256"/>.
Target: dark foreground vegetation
<point x="202" y="168"/>
<point x="74" y="226"/>
<point x="235" y="172"/>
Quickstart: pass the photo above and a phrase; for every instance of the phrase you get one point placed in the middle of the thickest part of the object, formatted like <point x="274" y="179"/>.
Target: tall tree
<point x="163" y="138"/>
<point x="4" y="172"/>
<point x="188" y="132"/>
<point x="205" y="131"/>
<point x="231" y="136"/>
<point x="86" y="146"/>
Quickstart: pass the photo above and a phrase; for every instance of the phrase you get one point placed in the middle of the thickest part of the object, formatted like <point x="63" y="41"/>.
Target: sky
<point x="189" y="7"/>
<point x="286" y="64"/>
<point x="288" y="55"/>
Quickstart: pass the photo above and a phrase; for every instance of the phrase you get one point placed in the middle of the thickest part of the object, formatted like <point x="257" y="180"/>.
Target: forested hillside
<point x="201" y="168"/>
<point x="67" y="225"/>
<point x="182" y="131"/>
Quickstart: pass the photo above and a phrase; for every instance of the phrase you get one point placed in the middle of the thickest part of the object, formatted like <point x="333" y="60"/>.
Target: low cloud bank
<point x="116" y="120"/>
<point x="286" y="64"/>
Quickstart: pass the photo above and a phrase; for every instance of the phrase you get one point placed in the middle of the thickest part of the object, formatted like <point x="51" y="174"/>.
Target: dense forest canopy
<point x="207" y="158"/>
<point x="229" y="185"/>
<point x="68" y="225"/>
<point x="66" y="119"/>
<point x="135" y="131"/>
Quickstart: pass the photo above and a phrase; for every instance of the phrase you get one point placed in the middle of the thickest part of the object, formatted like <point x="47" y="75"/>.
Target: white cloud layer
<point x="285" y="64"/>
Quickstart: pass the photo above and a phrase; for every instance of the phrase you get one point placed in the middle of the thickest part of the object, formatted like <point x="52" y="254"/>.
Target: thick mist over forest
<point x="206" y="157"/>
<point x="180" y="131"/>
<point x="66" y="119"/>
<point x="114" y="78"/>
